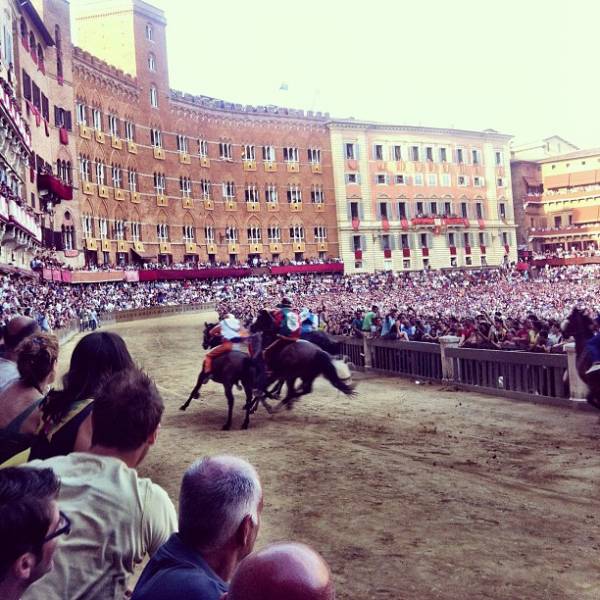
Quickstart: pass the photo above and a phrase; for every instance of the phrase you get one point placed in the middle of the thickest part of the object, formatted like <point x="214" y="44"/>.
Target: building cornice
<point x="376" y="126"/>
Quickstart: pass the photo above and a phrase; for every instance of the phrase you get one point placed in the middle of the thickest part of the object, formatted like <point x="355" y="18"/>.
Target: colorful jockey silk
<point x="288" y="322"/>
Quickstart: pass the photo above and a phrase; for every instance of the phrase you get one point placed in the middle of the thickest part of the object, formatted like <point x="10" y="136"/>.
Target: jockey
<point x="232" y="332"/>
<point x="287" y="323"/>
<point x="309" y="321"/>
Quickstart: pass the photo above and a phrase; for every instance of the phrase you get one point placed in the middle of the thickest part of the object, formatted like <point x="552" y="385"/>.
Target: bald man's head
<point x="17" y="330"/>
<point x="283" y="571"/>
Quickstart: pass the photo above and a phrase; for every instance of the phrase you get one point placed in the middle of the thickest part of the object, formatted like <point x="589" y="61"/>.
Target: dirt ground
<point x="409" y="491"/>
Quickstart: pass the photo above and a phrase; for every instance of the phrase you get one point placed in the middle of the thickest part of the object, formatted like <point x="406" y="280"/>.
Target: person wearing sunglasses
<point x="30" y="527"/>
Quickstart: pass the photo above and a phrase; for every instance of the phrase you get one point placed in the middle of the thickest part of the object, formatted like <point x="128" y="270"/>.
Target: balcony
<point x="270" y="166"/>
<point x="85" y="132"/>
<point x="23" y="217"/>
<point x="191" y="248"/>
<point x="136" y="197"/>
<point x="185" y="158"/>
<point x="159" y="153"/>
<point x="423" y="222"/>
<point x="116" y="142"/>
<point x="122" y="246"/>
<point x="164" y="248"/>
<point x="298" y="246"/>
<point x="316" y="168"/>
<point x="232" y="248"/>
<point x="208" y="204"/>
<point x="103" y="191"/>
<point x="91" y="244"/>
<point x="99" y="135"/>
<point x="296" y="207"/>
<point x="253" y="207"/>
<point x="187" y="202"/>
<point x="293" y="167"/>
<point x="211" y="248"/>
<point x="275" y="247"/>
<point x="55" y="186"/>
<point x="132" y="148"/>
<point x="455" y="222"/>
<point x="106" y="245"/>
<point x="570" y="230"/>
<point x="249" y="165"/>
<point x="162" y="200"/>
<point x="119" y="194"/>
<point x="230" y="205"/>
<point x="205" y="162"/>
<point x="255" y="248"/>
<point x="88" y="188"/>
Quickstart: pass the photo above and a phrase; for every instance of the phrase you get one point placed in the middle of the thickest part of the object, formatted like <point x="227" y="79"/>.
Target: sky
<point x="528" y="68"/>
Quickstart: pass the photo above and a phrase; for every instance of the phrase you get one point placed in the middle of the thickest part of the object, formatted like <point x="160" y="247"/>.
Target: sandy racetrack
<point x="408" y="491"/>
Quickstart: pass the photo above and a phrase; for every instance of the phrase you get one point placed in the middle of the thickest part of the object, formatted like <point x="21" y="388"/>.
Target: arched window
<point x="149" y="32"/>
<point x="153" y="97"/>
<point x="152" y="62"/>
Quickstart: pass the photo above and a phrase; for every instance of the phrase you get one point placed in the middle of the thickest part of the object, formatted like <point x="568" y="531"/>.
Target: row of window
<point x="422" y="208"/>
<point x="253" y="233"/>
<point x="420" y="179"/>
<point x="425" y="240"/>
<point x="252" y="192"/>
<point x="422" y="153"/>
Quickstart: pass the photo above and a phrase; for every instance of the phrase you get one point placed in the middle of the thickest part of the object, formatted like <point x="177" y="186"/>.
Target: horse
<point x="234" y="368"/>
<point x="323" y="341"/>
<point x="301" y="359"/>
<point x="579" y="326"/>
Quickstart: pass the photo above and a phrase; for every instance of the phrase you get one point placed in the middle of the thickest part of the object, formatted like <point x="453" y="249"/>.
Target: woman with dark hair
<point x="67" y="413"/>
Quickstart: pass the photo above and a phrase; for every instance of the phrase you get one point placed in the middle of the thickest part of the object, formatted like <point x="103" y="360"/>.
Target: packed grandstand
<point x="498" y="308"/>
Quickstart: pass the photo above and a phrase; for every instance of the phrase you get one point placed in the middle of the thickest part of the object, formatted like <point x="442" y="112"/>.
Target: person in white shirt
<point x="117" y="517"/>
<point x="231" y="330"/>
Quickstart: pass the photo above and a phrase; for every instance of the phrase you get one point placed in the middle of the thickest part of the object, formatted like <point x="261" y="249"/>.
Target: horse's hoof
<point x="226" y="427"/>
<point x="244" y="426"/>
<point x="182" y="407"/>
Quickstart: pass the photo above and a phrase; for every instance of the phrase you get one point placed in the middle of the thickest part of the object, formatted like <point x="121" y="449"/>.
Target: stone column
<point x="448" y="341"/>
<point x="577" y="386"/>
<point x="367" y="351"/>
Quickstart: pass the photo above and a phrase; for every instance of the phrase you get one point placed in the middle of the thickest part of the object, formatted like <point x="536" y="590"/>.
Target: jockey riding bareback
<point x="232" y="332"/>
<point x="287" y="325"/>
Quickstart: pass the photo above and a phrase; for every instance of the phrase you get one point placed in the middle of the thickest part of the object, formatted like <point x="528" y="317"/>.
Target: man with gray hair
<point x="220" y="506"/>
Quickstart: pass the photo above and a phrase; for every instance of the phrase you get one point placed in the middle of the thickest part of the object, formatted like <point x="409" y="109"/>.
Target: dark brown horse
<point x="235" y="368"/>
<point x="299" y="360"/>
<point x="580" y="326"/>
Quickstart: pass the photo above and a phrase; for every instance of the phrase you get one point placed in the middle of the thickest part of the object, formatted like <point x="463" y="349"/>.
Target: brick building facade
<point x="169" y="175"/>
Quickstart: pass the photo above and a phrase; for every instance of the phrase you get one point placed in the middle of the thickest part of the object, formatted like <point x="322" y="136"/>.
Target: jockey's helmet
<point x="285" y="303"/>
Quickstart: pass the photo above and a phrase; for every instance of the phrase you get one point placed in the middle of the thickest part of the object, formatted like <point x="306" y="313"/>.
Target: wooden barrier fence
<point x="520" y="375"/>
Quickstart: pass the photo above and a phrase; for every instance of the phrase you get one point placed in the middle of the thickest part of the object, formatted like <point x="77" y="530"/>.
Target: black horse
<point x="301" y="359"/>
<point x="234" y="368"/>
<point x="580" y="326"/>
<point x="321" y="339"/>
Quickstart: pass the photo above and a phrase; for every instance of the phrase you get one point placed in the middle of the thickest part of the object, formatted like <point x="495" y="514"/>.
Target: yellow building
<point x="410" y="198"/>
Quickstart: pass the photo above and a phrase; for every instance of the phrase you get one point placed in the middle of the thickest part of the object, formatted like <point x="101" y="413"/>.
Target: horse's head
<point x="577" y="323"/>
<point x="206" y="335"/>
<point x="263" y="322"/>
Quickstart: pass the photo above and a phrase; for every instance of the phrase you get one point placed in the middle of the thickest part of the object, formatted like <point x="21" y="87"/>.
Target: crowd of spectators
<point x="497" y="304"/>
<point x="86" y="492"/>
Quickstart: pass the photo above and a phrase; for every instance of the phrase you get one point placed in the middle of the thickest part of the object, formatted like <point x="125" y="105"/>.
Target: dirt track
<point x="408" y="491"/>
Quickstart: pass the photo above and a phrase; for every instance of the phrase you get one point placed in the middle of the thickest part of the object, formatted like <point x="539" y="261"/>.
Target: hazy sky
<point x="525" y="67"/>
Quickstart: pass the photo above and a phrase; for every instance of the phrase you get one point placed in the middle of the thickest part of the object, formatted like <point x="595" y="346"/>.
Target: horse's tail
<point x="330" y="373"/>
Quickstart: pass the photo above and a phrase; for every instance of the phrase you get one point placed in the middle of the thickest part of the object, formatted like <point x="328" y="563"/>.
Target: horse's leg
<point x="249" y="404"/>
<point x="230" y="401"/>
<point x="195" y="392"/>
